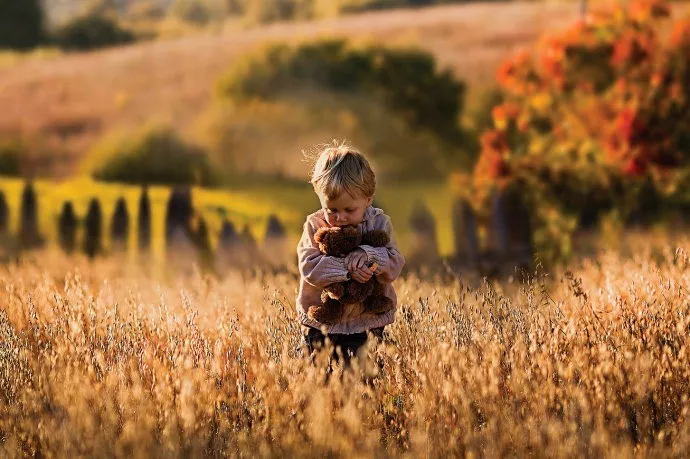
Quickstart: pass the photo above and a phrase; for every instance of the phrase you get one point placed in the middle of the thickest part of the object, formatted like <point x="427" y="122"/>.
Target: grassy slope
<point x="248" y="205"/>
<point x="71" y="100"/>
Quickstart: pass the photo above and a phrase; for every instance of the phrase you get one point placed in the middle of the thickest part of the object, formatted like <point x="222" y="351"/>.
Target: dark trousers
<point x="348" y="345"/>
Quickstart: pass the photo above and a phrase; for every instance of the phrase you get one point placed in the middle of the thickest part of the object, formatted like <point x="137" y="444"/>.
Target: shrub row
<point x="406" y="80"/>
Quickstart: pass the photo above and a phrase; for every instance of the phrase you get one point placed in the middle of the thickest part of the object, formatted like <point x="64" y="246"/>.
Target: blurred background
<point x="499" y="131"/>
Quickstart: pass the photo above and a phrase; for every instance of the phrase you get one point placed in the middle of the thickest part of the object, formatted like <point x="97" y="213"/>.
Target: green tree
<point x="408" y="81"/>
<point x="154" y="154"/>
<point x="92" y="32"/>
<point x="21" y="24"/>
<point x="265" y="11"/>
<point x="192" y="11"/>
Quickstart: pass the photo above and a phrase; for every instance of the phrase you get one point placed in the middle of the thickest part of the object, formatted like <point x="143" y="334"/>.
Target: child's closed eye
<point x="348" y="210"/>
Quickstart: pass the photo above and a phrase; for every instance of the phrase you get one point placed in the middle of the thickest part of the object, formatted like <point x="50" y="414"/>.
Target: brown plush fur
<point x="338" y="242"/>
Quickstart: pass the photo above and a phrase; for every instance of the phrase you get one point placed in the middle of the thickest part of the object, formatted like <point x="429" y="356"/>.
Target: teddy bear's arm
<point x="335" y="291"/>
<point x="316" y="268"/>
<point x="389" y="259"/>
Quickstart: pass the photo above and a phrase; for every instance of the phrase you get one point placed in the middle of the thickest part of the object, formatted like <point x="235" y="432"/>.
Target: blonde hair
<point x="341" y="168"/>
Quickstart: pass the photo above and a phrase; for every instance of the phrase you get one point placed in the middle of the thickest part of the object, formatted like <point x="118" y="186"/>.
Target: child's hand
<point x="362" y="274"/>
<point x="356" y="259"/>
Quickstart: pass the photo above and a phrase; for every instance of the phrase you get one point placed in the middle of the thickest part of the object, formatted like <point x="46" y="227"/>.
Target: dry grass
<point x="111" y="359"/>
<point x="94" y="92"/>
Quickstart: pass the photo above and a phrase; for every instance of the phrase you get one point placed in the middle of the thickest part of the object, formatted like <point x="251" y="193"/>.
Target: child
<point x="345" y="185"/>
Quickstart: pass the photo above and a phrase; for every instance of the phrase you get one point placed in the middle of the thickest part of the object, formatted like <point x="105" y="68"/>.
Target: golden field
<point x="111" y="358"/>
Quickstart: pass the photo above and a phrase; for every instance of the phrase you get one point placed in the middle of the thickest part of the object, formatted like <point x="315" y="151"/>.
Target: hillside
<point x="71" y="100"/>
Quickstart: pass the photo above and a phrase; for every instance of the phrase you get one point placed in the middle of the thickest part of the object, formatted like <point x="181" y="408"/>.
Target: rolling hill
<point x="71" y="100"/>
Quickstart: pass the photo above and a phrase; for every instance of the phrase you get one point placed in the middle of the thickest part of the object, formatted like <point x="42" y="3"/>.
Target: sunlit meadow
<point x="147" y="354"/>
<point x="112" y="358"/>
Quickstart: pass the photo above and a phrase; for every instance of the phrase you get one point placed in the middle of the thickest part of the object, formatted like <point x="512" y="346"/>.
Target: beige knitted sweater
<point x="318" y="270"/>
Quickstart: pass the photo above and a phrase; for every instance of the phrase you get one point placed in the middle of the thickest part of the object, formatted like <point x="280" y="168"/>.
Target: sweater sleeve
<point x="316" y="268"/>
<point x="389" y="259"/>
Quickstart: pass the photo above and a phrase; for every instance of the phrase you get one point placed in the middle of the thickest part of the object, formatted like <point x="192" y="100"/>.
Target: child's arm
<point x="389" y="259"/>
<point x="316" y="268"/>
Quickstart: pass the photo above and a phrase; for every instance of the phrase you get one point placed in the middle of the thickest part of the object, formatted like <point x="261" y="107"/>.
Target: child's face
<point x="344" y="209"/>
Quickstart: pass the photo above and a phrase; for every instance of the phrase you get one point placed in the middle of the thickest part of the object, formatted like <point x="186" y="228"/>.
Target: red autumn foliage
<point x="609" y="86"/>
<point x="593" y="111"/>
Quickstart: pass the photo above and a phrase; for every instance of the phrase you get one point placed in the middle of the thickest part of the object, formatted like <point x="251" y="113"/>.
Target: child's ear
<point x="369" y="201"/>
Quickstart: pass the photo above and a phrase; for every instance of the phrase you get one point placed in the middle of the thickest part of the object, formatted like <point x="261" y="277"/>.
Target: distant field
<point x="249" y="205"/>
<point x="71" y="100"/>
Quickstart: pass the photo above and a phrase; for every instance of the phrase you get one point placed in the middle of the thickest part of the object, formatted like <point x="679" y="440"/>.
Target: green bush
<point x="10" y="157"/>
<point x="263" y="11"/>
<point x="91" y="32"/>
<point x="192" y="11"/>
<point x="413" y="86"/>
<point x="154" y="155"/>
<point x="268" y="137"/>
<point x="146" y="10"/>
<point x="407" y="81"/>
<point x="21" y="24"/>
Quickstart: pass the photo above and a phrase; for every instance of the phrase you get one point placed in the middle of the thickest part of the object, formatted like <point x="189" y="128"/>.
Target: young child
<point x="345" y="185"/>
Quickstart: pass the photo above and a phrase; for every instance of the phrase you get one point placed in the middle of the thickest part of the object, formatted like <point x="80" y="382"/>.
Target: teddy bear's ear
<point x="376" y="238"/>
<point x="320" y="235"/>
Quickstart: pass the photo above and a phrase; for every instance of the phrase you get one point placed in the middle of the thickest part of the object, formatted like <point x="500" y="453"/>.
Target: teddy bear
<point x="338" y="242"/>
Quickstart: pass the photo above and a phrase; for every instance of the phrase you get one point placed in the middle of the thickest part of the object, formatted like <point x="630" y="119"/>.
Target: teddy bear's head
<point x="376" y="238"/>
<point x="338" y="241"/>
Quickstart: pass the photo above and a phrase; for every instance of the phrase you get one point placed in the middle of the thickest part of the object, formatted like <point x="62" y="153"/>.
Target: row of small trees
<point x="186" y="232"/>
<point x="31" y="237"/>
<point x="200" y="12"/>
<point x="185" y="229"/>
<point x="505" y="248"/>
